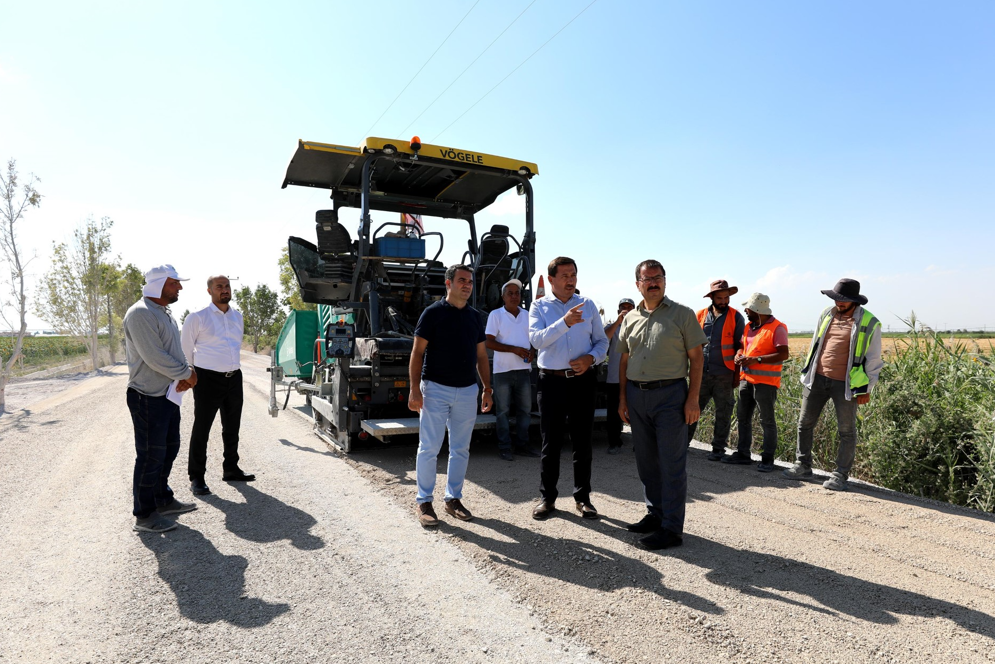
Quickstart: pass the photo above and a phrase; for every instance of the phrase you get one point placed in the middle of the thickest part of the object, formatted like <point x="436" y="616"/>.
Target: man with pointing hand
<point x="568" y="332"/>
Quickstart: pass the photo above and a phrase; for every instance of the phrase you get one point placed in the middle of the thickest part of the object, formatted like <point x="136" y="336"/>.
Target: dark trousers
<point x="813" y="401"/>
<point x="214" y="392"/>
<point x="614" y="419"/>
<point x="157" y="442"/>
<point x="566" y="404"/>
<point x="721" y="388"/>
<point x="512" y="388"/>
<point x="660" y="441"/>
<point x="751" y="397"/>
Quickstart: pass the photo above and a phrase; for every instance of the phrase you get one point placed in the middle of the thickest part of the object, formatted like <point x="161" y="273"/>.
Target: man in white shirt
<point x="508" y="336"/>
<point x="212" y="339"/>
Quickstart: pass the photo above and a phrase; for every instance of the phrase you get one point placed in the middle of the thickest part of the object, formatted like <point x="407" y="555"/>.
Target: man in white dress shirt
<point x="212" y="339"/>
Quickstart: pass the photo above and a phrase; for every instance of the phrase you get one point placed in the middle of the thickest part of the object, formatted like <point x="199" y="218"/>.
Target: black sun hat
<point x="846" y="290"/>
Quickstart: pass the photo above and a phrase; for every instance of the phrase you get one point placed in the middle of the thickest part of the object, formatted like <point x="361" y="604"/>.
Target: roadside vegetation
<point x="929" y="429"/>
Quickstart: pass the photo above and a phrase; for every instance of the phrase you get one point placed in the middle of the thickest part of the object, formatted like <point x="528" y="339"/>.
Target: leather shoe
<point x="199" y="488"/>
<point x="661" y="539"/>
<point x="237" y="476"/>
<point x="647" y="524"/>
<point x="543" y="510"/>
<point x="587" y="510"/>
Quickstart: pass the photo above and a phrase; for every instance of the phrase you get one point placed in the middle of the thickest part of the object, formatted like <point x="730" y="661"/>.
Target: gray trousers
<point x="660" y="441"/>
<point x="752" y="397"/>
<point x="721" y="388"/>
<point x="813" y="400"/>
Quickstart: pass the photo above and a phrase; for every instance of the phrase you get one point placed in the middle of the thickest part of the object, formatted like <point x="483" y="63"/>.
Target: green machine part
<point x="295" y="346"/>
<point x="327" y="316"/>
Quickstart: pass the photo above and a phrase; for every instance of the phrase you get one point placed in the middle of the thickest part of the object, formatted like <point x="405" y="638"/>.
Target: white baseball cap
<point x="155" y="279"/>
<point x="510" y="282"/>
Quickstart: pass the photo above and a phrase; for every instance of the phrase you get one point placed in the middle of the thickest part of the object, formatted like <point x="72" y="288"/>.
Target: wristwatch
<point x="488" y="390"/>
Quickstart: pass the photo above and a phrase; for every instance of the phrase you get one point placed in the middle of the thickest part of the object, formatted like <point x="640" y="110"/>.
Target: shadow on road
<point x="773" y="578"/>
<point x="209" y="586"/>
<point x="262" y="518"/>
<point x="326" y="452"/>
<point x="573" y="561"/>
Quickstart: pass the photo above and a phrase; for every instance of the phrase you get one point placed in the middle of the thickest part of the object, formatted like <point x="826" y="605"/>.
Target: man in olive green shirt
<point x="661" y="345"/>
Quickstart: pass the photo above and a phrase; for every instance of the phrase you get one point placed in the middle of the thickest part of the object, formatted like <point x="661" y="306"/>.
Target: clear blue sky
<point x="780" y="145"/>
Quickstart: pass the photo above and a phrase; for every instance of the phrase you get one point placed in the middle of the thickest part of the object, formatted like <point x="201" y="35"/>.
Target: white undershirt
<point x="212" y="339"/>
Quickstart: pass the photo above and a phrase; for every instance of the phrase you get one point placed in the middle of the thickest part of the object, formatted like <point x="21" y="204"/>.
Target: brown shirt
<point x="835" y="354"/>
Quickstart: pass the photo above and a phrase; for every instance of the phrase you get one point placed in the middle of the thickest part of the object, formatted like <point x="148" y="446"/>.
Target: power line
<point x="417" y="72"/>
<point x="513" y="71"/>
<point x="467" y="69"/>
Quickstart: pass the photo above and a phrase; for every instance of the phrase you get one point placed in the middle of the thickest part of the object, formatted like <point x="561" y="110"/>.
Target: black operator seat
<point x="334" y="246"/>
<point x="494" y="267"/>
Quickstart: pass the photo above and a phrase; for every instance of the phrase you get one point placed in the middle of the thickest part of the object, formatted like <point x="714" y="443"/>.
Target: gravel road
<point x="322" y="559"/>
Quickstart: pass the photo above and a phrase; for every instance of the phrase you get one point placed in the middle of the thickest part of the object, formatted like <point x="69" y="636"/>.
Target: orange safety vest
<point x="728" y="340"/>
<point x="762" y="344"/>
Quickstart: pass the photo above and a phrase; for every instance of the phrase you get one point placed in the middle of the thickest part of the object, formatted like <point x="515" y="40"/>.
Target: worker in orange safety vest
<point x="724" y="328"/>
<point x="765" y="347"/>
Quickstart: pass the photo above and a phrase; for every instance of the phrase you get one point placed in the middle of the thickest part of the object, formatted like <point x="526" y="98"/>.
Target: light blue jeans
<point x="443" y="407"/>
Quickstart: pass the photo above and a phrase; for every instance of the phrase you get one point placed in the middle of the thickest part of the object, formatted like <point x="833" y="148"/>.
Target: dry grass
<point x="799" y="345"/>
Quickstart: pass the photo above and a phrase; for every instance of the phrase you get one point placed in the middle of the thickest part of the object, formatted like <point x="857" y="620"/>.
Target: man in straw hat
<point x="843" y="364"/>
<point x="723" y="326"/>
<point x="155" y="360"/>
<point x="765" y="347"/>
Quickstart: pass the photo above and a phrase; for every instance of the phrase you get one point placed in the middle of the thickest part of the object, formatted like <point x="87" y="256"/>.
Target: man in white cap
<point x="212" y="340"/>
<point x="765" y="348"/>
<point x="843" y="364"/>
<point x="155" y="359"/>
<point x="625" y="305"/>
<point x="507" y="334"/>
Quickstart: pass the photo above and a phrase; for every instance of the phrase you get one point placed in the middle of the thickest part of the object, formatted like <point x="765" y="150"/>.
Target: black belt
<point x="562" y="373"/>
<point x="655" y="384"/>
<point x="226" y="374"/>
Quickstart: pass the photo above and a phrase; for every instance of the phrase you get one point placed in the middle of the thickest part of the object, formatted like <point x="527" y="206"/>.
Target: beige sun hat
<point x="759" y="304"/>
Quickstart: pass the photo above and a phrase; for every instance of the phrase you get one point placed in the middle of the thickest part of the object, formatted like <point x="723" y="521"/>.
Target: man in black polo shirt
<point x="448" y="354"/>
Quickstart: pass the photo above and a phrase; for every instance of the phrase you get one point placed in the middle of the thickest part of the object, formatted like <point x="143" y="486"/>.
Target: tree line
<point x="87" y="290"/>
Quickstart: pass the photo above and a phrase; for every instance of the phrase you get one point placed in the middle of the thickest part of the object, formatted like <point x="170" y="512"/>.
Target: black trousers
<point x="214" y="392"/>
<point x="614" y="419"/>
<point x="566" y="405"/>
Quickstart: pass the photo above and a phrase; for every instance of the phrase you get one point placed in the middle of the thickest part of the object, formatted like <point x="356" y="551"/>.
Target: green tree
<point x="290" y="292"/>
<point x="14" y="201"/>
<point x="72" y="296"/>
<point x="259" y="308"/>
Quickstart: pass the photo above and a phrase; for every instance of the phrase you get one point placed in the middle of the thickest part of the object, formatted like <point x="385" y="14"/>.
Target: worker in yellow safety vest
<point x="724" y="327"/>
<point x="843" y="364"/>
<point x="765" y="347"/>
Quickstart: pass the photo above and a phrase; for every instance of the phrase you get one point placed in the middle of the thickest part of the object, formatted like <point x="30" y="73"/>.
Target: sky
<point x="779" y="145"/>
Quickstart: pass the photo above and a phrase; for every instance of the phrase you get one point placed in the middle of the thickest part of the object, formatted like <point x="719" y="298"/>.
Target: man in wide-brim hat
<point x="724" y="327"/>
<point x="843" y="364"/>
